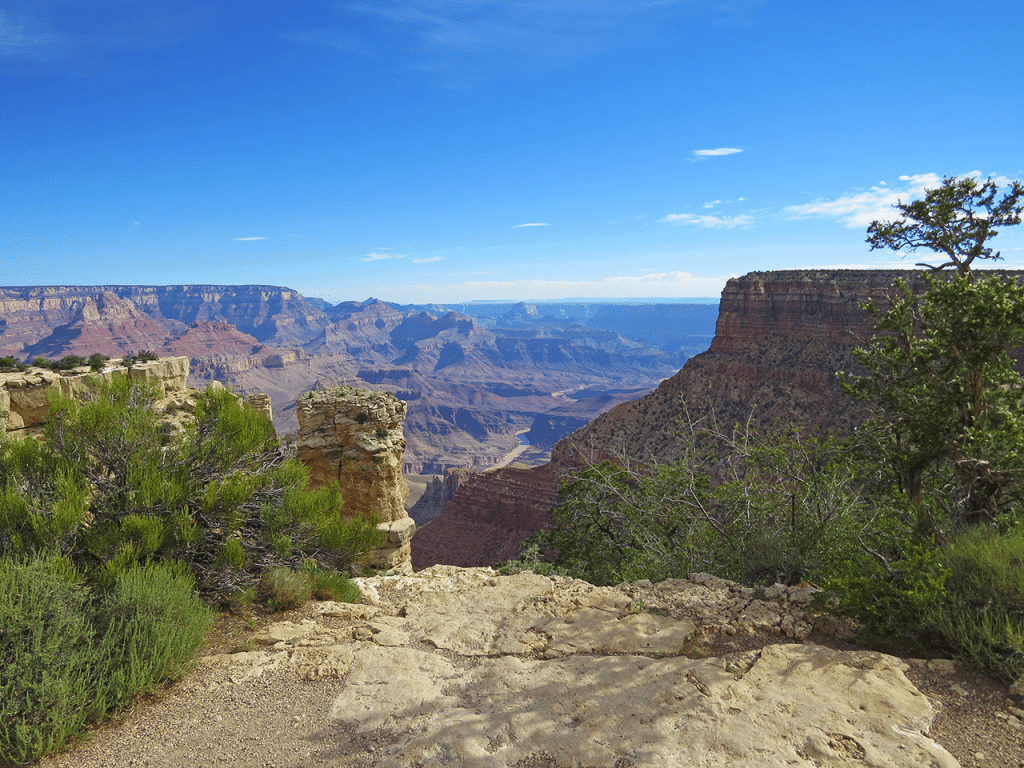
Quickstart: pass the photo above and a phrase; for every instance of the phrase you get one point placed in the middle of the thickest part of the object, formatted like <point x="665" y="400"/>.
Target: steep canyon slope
<point x="779" y="340"/>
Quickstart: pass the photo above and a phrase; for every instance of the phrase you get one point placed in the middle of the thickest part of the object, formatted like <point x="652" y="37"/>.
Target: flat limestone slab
<point x="797" y="705"/>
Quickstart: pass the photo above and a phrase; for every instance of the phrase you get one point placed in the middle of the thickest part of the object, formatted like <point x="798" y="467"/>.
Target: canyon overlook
<point x="462" y="666"/>
<point x="471" y="385"/>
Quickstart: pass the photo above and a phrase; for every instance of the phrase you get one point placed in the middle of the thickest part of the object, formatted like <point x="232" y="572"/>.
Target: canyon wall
<point x="489" y="516"/>
<point x="272" y="314"/>
<point x="471" y="390"/>
<point x="779" y="340"/>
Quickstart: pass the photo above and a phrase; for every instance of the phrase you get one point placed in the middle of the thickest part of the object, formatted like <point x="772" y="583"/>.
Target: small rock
<point x="942" y="666"/>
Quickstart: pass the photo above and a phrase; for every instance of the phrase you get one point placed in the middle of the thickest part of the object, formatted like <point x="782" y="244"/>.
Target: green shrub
<point x="981" y="617"/>
<point x="330" y="585"/>
<point x="777" y="507"/>
<point x="149" y="627"/>
<point x="69" y="656"/>
<point x="48" y="658"/>
<point x="223" y="496"/>
<point x="8" y="363"/>
<point x="282" y="589"/>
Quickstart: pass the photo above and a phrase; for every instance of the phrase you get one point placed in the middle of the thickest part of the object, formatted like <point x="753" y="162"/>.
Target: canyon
<point x="471" y="386"/>
<point x="780" y="338"/>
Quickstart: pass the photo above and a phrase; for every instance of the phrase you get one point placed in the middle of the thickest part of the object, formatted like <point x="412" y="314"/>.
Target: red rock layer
<point x="107" y="324"/>
<point x="489" y="516"/>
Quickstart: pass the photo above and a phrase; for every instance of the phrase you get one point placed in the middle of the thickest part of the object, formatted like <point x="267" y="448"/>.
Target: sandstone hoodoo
<point x="354" y="437"/>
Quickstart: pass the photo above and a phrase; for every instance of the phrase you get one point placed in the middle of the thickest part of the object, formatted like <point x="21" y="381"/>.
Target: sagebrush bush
<point x="330" y="585"/>
<point x="981" y="617"/>
<point x="149" y="627"/>
<point x="48" y="658"/>
<point x="69" y="655"/>
<point x="282" y="589"/>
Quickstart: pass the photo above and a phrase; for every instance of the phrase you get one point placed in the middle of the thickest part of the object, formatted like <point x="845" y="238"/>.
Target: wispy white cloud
<point x="533" y="224"/>
<point x="484" y="37"/>
<point x="858" y="209"/>
<point x="381" y="256"/>
<point x="427" y="259"/>
<point x="716" y="152"/>
<point x="712" y="204"/>
<point x="710" y="222"/>
<point x="257" y="237"/>
<point x="26" y="37"/>
<point x="146" y="26"/>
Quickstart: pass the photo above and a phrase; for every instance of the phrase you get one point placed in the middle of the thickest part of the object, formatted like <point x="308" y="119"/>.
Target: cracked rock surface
<point x="463" y="667"/>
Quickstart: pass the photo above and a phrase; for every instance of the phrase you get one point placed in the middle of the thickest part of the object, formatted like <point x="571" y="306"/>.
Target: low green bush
<point x="330" y="585"/>
<point x="48" y="658"/>
<point x="981" y="617"/>
<point x="149" y="627"/>
<point x="282" y="589"/>
<point x="70" y="656"/>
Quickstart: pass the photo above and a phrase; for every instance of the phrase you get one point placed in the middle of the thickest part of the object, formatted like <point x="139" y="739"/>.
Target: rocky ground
<point x="462" y="667"/>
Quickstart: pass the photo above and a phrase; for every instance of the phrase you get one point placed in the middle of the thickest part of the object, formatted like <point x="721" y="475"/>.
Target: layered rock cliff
<point x="780" y="338"/>
<point x="471" y="389"/>
<point x="489" y="516"/>
<point x="24" y="395"/>
<point x="272" y="314"/>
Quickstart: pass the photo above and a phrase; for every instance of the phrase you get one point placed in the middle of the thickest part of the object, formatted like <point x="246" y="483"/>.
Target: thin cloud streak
<point x="710" y="222"/>
<point x="720" y="152"/>
<point x="534" y="224"/>
<point x="378" y="256"/>
<point x="246" y="239"/>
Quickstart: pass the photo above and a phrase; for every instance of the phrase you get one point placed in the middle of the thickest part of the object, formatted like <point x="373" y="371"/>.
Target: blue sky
<point x="419" y="150"/>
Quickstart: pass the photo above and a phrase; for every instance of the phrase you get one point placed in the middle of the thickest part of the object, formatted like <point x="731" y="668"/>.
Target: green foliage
<point x="956" y="220"/>
<point x="9" y="364"/>
<point x="981" y="616"/>
<point x="941" y="456"/>
<point x="531" y="558"/>
<point x="107" y="523"/>
<point x="283" y="589"/>
<point x="109" y="489"/>
<point x="47" y="658"/>
<point x="779" y="508"/>
<point x="329" y="585"/>
<point x="946" y="398"/>
<point x="69" y="655"/>
<point x="148" y="628"/>
<point x="97" y="361"/>
<point x="67" y="362"/>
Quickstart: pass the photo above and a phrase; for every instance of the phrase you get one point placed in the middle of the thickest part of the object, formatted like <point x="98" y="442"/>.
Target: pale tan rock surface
<point x="25" y="394"/>
<point x="465" y="668"/>
<point x="355" y="437"/>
